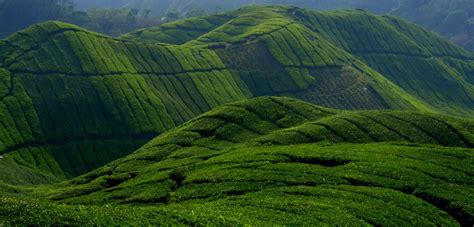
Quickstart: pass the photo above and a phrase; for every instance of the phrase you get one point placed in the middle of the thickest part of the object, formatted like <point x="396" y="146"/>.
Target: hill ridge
<point x="274" y="143"/>
<point x="79" y="84"/>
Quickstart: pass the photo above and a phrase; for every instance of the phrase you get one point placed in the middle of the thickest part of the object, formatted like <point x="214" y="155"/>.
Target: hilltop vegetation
<point x="452" y="19"/>
<point x="72" y="100"/>
<point x="19" y="14"/>
<point x="304" y="42"/>
<point x="276" y="160"/>
<point x="195" y="122"/>
<point x="78" y="99"/>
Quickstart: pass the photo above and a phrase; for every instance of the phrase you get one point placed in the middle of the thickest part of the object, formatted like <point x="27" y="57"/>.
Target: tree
<point x="173" y="15"/>
<point x="132" y="16"/>
<point x="196" y="12"/>
<point x="146" y="13"/>
<point x="18" y="14"/>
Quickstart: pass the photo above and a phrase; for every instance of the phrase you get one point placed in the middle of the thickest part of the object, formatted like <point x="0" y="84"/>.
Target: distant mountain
<point x="453" y="19"/>
<point x="73" y="100"/>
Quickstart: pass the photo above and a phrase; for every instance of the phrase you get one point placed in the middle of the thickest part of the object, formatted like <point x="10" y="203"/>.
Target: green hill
<point x="452" y="19"/>
<point x="276" y="160"/>
<point x="424" y="65"/>
<point x="73" y="100"/>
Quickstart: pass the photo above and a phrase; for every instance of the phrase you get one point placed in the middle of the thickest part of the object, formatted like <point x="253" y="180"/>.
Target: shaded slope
<point x="230" y="162"/>
<point x="78" y="100"/>
<point x="301" y="41"/>
<point x="421" y="63"/>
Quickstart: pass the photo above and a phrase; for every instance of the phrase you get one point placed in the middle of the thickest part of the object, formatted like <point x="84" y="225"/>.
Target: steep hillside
<point x="452" y="19"/>
<point x="424" y="65"/>
<point x="276" y="160"/>
<point x="72" y="100"/>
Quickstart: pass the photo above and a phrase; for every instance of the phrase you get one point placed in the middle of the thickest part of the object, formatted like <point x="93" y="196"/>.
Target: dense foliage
<point x="453" y="19"/>
<point x="73" y="100"/>
<point x="276" y="161"/>
<point x="19" y="14"/>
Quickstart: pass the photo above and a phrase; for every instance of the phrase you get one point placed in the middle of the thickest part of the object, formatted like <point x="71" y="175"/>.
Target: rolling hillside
<point x="453" y="19"/>
<point x="274" y="160"/>
<point x="424" y="65"/>
<point x="72" y="100"/>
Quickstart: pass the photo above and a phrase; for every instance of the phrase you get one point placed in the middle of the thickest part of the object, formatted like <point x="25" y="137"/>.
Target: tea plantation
<point x="275" y="160"/>
<point x="191" y="122"/>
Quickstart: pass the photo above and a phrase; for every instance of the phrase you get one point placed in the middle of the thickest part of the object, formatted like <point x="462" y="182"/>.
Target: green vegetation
<point x="427" y="68"/>
<point x="72" y="100"/>
<point x="19" y="14"/>
<point x="78" y="100"/>
<point x="275" y="160"/>
<point x="75" y="104"/>
<point x="451" y="19"/>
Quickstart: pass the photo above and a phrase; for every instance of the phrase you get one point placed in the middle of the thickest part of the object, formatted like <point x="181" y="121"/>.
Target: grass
<point x="72" y="101"/>
<point x="276" y="160"/>
<point x="373" y="184"/>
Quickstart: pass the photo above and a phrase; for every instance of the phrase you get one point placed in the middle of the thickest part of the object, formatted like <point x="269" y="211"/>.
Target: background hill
<point x="73" y="100"/>
<point x="408" y="56"/>
<point x="450" y="18"/>
<point x="277" y="160"/>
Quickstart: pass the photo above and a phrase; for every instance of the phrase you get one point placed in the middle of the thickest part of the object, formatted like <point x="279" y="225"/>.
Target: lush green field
<point x="274" y="160"/>
<point x="438" y="74"/>
<point x="72" y="101"/>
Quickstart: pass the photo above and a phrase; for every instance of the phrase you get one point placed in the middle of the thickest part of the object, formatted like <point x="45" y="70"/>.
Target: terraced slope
<point x="72" y="100"/>
<point x="301" y="41"/>
<point x="421" y="63"/>
<point x="279" y="160"/>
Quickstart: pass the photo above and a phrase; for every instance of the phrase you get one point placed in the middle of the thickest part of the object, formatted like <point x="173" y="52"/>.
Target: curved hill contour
<point x="421" y="63"/>
<point x="278" y="160"/>
<point x="72" y="100"/>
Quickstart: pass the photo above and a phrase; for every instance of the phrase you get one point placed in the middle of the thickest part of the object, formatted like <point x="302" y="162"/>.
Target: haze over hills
<point x="185" y="123"/>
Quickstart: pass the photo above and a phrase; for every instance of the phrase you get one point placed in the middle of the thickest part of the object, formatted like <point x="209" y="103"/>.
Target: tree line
<point x="19" y="14"/>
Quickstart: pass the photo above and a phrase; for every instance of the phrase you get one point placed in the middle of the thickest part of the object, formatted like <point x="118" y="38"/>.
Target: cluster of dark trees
<point x="453" y="19"/>
<point x="19" y="14"/>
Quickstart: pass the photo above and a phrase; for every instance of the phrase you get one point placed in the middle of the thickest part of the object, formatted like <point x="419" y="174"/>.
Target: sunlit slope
<point x="278" y="160"/>
<point x="423" y="64"/>
<point x="304" y="42"/>
<point x="72" y="100"/>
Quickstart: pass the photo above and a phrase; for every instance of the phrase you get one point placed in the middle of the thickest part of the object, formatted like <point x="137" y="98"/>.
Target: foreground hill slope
<point x="276" y="160"/>
<point x="72" y="100"/>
